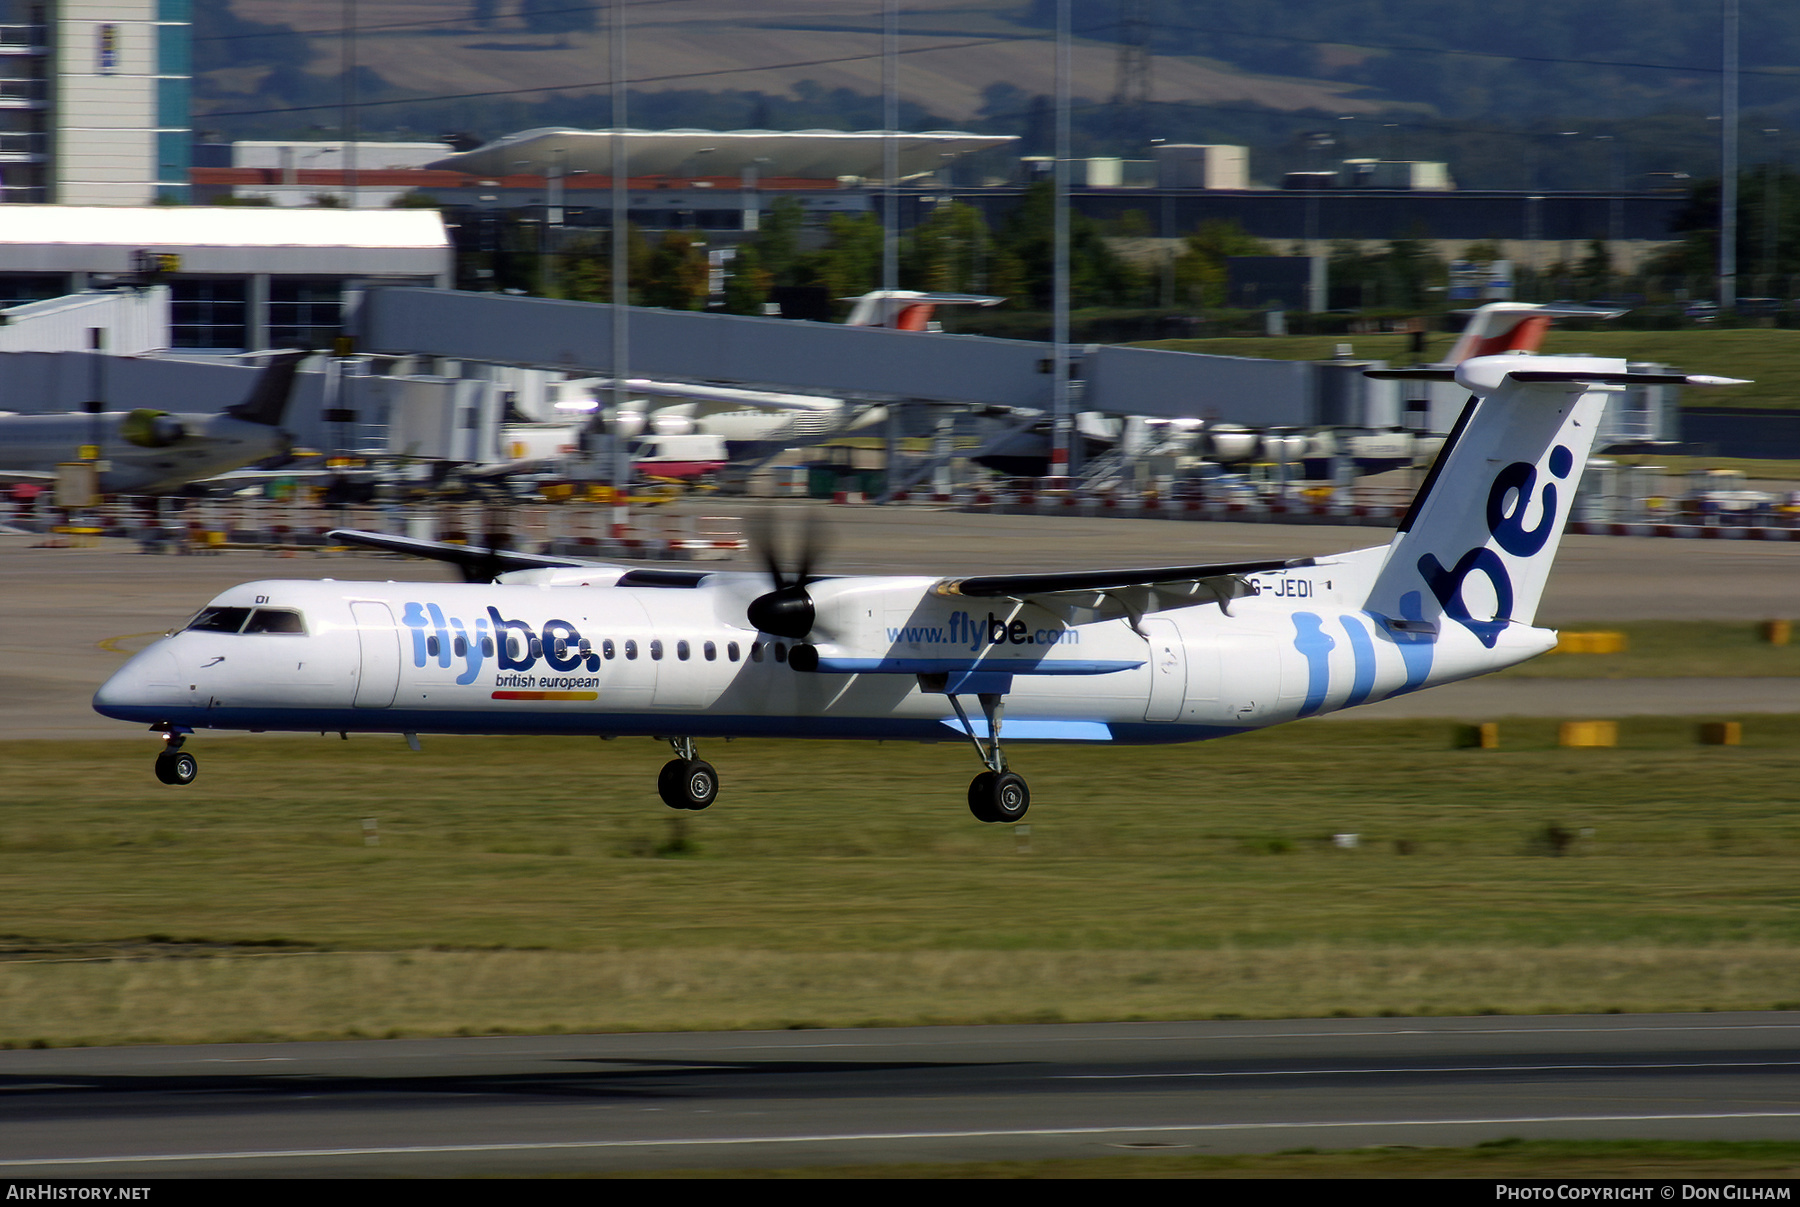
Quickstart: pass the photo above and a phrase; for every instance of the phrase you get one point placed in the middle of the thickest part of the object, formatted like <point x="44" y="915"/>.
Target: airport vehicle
<point x="547" y="645"/>
<point x="147" y="451"/>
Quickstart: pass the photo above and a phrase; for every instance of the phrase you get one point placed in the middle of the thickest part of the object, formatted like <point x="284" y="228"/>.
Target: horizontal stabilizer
<point x="1538" y="377"/>
<point x="1411" y="374"/>
<point x="1531" y="377"/>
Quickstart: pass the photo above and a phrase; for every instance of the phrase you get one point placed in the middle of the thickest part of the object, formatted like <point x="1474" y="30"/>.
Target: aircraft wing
<point x="1104" y="594"/>
<point x="468" y="558"/>
<point x="26" y="475"/>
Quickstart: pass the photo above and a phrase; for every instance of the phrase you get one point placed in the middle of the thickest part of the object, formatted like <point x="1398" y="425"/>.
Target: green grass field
<point x="528" y="885"/>
<point x="1767" y="356"/>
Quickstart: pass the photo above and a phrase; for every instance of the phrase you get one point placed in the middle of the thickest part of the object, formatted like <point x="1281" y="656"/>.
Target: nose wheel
<point x="175" y="765"/>
<point x="686" y="782"/>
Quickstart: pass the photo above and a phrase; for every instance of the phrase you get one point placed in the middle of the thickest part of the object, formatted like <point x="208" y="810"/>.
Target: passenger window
<point x="461" y="646"/>
<point x="487" y="647"/>
<point x="607" y="648"/>
<point x="711" y="651"/>
<point x="274" y="620"/>
<point x="682" y="649"/>
<point x="731" y="650"/>
<point x="656" y="649"/>
<point x="630" y="649"/>
<point x="756" y="651"/>
<point x="219" y="620"/>
<point x="780" y="652"/>
<point x="431" y="646"/>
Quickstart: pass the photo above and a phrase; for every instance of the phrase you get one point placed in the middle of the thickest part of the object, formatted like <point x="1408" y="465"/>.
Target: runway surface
<point x="73" y="615"/>
<point x="511" y="1105"/>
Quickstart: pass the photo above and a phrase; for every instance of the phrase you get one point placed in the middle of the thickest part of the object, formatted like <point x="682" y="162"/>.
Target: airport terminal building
<point x="240" y="278"/>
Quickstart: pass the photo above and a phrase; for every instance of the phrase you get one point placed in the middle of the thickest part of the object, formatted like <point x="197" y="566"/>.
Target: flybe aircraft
<point x="544" y="645"/>
<point x="148" y="451"/>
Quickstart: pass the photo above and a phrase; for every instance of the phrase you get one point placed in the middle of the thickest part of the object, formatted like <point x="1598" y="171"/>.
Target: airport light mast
<point x="1062" y="419"/>
<point x="621" y="269"/>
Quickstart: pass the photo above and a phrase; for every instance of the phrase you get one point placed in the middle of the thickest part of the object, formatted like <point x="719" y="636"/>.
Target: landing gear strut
<point x="996" y="794"/>
<point x="175" y="765"/>
<point x="686" y="782"/>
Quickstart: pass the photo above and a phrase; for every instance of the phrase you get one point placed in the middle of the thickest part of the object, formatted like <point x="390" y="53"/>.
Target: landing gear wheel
<point x="700" y="784"/>
<point x="981" y="796"/>
<point x="687" y="784"/>
<point x="1011" y="797"/>
<point x="176" y="767"/>
<point x="668" y="783"/>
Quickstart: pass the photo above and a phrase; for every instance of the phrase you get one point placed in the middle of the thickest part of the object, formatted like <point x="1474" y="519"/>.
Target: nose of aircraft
<point x="146" y="682"/>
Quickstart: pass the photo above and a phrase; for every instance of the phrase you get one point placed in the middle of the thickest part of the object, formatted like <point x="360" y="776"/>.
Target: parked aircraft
<point x="908" y="309"/>
<point x="535" y="644"/>
<point x="148" y="451"/>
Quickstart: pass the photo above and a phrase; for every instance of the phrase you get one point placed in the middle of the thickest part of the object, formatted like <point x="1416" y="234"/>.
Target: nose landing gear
<point x="686" y="782"/>
<point x="175" y="765"/>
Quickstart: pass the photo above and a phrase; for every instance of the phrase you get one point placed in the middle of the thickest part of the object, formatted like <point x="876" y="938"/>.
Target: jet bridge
<point x="850" y="362"/>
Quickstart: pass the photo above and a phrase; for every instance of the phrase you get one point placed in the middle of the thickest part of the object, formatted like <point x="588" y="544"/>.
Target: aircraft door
<point x="1168" y="670"/>
<point x="1250" y="676"/>
<point x="379" y="640"/>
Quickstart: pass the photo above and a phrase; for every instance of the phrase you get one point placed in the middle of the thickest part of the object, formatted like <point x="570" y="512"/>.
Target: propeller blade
<point x="491" y="563"/>
<point x="787" y="609"/>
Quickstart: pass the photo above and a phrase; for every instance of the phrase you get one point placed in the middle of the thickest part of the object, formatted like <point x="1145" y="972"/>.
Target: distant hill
<point x="952" y="54"/>
<point x="1495" y="89"/>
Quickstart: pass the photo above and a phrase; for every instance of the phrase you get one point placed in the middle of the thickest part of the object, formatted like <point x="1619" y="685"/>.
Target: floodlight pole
<point x="1061" y="417"/>
<point x="349" y="122"/>
<point x="1728" y="168"/>
<point x="890" y="144"/>
<point x="621" y="269"/>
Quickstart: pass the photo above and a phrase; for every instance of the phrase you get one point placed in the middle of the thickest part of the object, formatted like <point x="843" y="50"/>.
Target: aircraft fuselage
<point x="190" y="446"/>
<point x="524" y="658"/>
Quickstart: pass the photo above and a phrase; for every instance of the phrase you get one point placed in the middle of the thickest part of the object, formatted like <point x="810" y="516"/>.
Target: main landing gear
<point x="686" y="782"/>
<point x="996" y="794"/>
<point x="175" y="765"/>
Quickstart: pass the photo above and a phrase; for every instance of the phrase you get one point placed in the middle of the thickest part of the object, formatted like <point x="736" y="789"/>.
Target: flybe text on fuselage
<point x="511" y="645"/>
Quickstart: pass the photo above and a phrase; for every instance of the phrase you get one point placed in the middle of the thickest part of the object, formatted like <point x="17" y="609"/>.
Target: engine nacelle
<point x="151" y="429"/>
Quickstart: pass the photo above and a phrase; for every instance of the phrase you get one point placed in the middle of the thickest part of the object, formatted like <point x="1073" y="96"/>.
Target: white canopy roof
<point x="807" y="154"/>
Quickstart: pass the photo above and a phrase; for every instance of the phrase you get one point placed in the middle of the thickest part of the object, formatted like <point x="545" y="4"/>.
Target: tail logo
<point x="1517" y="482"/>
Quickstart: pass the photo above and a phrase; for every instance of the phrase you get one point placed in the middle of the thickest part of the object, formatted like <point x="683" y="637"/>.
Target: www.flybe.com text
<point x="963" y="630"/>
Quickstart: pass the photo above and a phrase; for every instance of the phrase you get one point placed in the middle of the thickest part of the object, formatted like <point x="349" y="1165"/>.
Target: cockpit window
<point x="262" y="620"/>
<point x="219" y="620"/>
<point x="275" y="620"/>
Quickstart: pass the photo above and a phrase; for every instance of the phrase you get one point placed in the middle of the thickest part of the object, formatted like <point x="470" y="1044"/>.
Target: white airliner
<point x="1132" y="656"/>
<point x="149" y="451"/>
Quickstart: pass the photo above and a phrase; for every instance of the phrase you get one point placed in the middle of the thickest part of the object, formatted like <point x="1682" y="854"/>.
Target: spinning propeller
<point x="787" y="611"/>
<point x="489" y="561"/>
